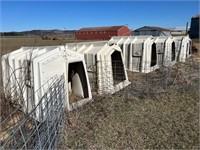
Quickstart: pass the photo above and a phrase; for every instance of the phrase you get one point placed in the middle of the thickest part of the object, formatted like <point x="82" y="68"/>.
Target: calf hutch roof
<point x="105" y="65"/>
<point x="41" y="64"/>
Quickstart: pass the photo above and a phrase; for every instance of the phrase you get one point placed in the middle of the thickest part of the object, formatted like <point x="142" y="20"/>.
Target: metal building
<point x="194" y="27"/>
<point x="101" y="33"/>
<point x="150" y="30"/>
<point x="178" y="31"/>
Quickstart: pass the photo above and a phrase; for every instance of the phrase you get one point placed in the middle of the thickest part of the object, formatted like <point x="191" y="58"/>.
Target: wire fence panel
<point x="29" y="133"/>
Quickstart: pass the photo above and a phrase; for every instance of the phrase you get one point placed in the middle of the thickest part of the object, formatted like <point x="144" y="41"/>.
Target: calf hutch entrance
<point x="105" y="66"/>
<point x="77" y="82"/>
<point x="153" y="55"/>
<point x="29" y="69"/>
<point x="139" y="52"/>
<point x="173" y="52"/>
<point x="117" y="67"/>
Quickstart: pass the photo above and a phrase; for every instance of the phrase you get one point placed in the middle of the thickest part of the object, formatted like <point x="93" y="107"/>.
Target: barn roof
<point x="108" y="28"/>
<point x="152" y="28"/>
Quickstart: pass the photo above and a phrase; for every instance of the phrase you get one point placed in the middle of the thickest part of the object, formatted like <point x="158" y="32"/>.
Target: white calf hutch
<point x="32" y="67"/>
<point x="183" y="45"/>
<point x="166" y="50"/>
<point x="139" y="52"/>
<point x="123" y="43"/>
<point x="105" y="65"/>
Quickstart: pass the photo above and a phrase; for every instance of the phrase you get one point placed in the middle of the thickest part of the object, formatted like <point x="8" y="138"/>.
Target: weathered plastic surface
<point x="137" y="52"/>
<point x="98" y="57"/>
<point x="41" y="64"/>
<point x="183" y="46"/>
<point x="167" y="53"/>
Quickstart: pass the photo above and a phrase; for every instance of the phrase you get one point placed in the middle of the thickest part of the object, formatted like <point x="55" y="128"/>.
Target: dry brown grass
<point x="6" y="109"/>
<point x="148" y="114"/>
<point x="159" y="110"/>
<point x="9" y="44"/>
<point x="196" y="50"/>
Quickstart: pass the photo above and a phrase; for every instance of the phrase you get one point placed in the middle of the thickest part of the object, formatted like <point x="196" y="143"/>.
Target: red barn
<point x="101" y="33"/>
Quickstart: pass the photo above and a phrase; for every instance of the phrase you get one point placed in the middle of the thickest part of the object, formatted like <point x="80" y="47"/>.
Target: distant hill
<point x="39" y="32"/>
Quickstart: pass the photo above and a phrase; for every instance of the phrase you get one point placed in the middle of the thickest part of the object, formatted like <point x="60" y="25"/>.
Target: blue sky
<point x="24" y="15"/>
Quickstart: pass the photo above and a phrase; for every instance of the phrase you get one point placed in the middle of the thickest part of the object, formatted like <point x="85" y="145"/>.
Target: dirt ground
<point x="196" y="50"/>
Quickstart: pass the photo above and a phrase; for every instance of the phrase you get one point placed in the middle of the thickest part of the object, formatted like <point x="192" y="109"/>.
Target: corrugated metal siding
<point x="151" y="28"/>
<point x="194" y="28"/>
<point x="148" y="32"/>
<point x="153" y="33"/>
<point x="165" y="33"/>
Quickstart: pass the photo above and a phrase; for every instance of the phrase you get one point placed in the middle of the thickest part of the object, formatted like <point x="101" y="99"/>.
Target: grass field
<point x="144" y="115"/>
<point x="9" y="44"/>
<point x="148" y="114"/>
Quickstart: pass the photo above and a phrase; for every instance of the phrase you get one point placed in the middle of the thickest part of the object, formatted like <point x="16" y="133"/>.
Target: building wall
<point x="178" y="32"/>
<point x="194" y="28"/>
<point x="101" y="35"/>
<point x="152" y="32"/>
<point x="95" y="35"/>
<point x="165" y="33"/>
<point x="147" y="32"/>
<point x="124" y="31"/>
